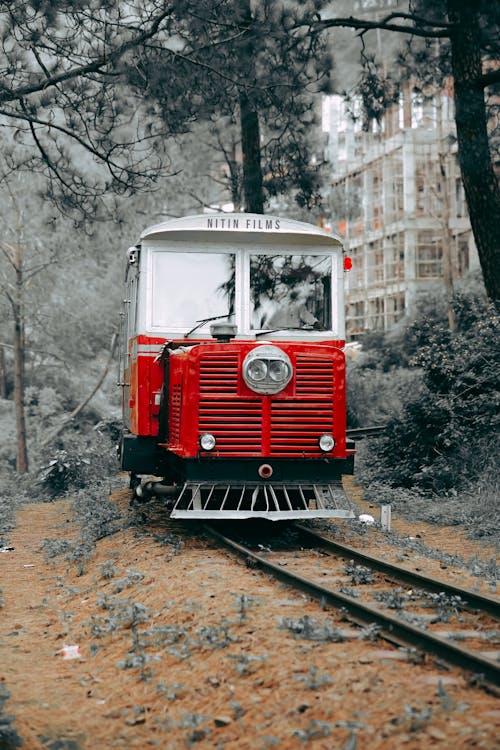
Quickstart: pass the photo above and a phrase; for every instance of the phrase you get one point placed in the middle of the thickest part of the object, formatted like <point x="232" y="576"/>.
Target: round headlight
<point x="207" y="442"/>
<point x="278" y="370"/>
<point x="257" y="370"/>
<point x="267" y="369"/>
<point x="326" y="443"/>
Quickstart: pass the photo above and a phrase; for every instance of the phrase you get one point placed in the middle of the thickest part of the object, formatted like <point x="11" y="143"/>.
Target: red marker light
<point x="265" y="471"/>
<point x="347" y="263"/>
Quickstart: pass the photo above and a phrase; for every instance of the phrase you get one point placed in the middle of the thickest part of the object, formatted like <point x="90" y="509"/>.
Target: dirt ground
<point x="182" y="645"/>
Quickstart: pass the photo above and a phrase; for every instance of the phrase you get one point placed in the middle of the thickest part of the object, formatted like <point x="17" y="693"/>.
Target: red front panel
<point x="145" y="375"/>
<point x="208" y="394"/>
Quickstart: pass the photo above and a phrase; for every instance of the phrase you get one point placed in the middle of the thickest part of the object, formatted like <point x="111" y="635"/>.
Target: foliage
<point x="442" y="439"/>
<point x="251" y="65"/>
<point x="9" y="738"/>
<point x="445" y="37"/>
<point x="360" y="574"/>
<point x="80" y="458"/>
<point x="375" y="396"/>
<point x="63" y="102"/>
<point x="94" y="96"/>
<point x="309" y="629"/>
<point x="63" y="471"/>
<point x="376" y="93"/>
<point x="53" y="334"/>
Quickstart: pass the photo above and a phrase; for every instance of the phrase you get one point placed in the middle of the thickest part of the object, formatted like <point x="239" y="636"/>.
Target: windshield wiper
<point x="206" y="320"/>
<point x="285" y="328"/>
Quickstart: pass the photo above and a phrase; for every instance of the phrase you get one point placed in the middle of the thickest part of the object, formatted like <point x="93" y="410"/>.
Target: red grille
<point x="297" y="425"/>
<point x="236" y="423"/>
<point x="219" y="374"/>
<point x="175" y="414"/>
<point x="314" y="377"/>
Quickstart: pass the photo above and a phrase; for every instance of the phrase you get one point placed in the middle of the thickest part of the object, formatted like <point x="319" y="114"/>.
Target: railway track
<point x="474" y="615"/>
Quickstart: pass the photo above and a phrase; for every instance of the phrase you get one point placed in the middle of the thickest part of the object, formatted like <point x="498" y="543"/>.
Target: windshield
<point x="291" y="291"/>
<point x="187" y="287"/>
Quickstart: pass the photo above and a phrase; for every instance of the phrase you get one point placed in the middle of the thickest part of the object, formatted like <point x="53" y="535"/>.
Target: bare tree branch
<point x="98" y="65"/>
<point x="76" y="411"/>
<point x="419" y="26"/>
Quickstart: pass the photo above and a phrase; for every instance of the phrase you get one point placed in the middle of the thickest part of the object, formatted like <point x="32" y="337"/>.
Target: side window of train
<point x="131" y="303"/>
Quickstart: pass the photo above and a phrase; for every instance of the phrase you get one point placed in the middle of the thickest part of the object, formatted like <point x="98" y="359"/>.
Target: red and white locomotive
<point x="232" y="368"/>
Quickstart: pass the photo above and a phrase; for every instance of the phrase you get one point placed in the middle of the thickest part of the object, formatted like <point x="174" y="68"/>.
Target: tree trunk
<point x="19" y="353"/>
<point x="3" y="374"/>
<point x="250" y="146"/>
<point x="445" y="216"/>
<point x="481" y="186"/>
<point x="234" y="177"/>
<point x="253" y="191"/>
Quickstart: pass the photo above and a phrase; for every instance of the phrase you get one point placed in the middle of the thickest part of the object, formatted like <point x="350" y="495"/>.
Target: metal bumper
<point x="273" y="501"/>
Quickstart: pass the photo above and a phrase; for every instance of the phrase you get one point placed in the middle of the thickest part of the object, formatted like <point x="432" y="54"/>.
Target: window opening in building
<point x="375" y="265"/>
<point x="429" y="255"/>
<point x="395" y="308"/>
<point x="395" y="257"/>
<point x="462" y="251"/>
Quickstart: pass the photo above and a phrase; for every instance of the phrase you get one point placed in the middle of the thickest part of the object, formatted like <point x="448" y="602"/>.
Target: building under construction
<point x="396" y="195"/>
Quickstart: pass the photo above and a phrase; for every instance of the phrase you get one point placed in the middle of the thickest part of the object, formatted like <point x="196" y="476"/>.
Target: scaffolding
<point x="397" y="197"/>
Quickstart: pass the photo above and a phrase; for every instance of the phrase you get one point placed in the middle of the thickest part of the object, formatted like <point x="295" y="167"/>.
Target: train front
<point x="234" y="373"/>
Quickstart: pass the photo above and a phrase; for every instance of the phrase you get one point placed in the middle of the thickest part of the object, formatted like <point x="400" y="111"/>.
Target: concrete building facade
<point x="396" y="195"/>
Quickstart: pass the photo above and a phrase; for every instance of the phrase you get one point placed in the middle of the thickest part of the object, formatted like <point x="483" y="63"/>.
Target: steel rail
<point x="359" y="433"/>
<point x="394" y="630"/>
<point x="481" y="601"/>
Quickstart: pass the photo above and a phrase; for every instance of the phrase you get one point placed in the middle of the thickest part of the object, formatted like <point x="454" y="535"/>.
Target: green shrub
<point x="444" y="437"/>
<point x="79" y="457"/>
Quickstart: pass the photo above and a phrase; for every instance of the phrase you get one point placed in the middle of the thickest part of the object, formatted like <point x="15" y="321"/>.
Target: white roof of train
<point x="242" y="223"/>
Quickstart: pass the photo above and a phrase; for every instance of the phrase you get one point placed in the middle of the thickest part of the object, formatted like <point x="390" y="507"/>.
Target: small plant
<point x="314" y="731"/>
<point x="195" y="724"/>
<point x="414" y="718"/>
<point x="171" y="540"/>
<point x="446" y="701"/>
<point x="123" y="612"/>
<point x="213" y="636"/>
<point x="313" y="680"/>
<point x="393" y="599"/>
<point x="371" y="632"/>
<point x="9" y="738"/>
<point x="101" y="626"/>
<point x="64" y="471"/>
<point x="247" y="664"/>
<point x="134" y="661"/>
<point x="97" y="515"/>
<point x="80" y="554"/>
<point x="310" y="630"/>
<point x="348" y="591"/>
<point x="132" y="577"/>
<point x="54" y="547"/>
<point x="446" y="606"/>
<point x="359" y="573"/>
<point x="243" y="604"/>
<point x="108" y="569"/>
<point x="165" y="634"/>
<point x="171" y="692"/>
